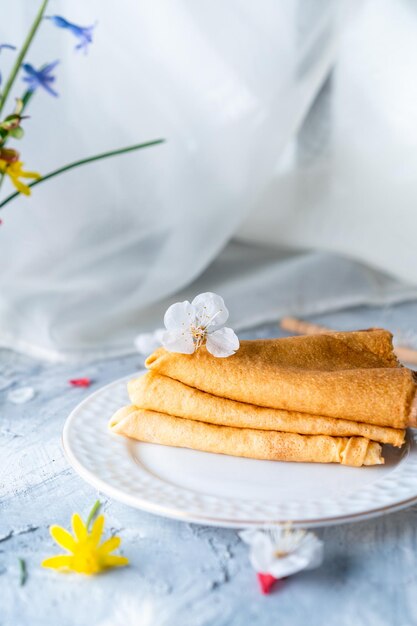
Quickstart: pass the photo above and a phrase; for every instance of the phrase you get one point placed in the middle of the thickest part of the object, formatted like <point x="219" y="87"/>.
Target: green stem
<point x="26" y="99"/>
<point x="93" y="513"/>
<point x="70" y="166"/>
<point x="22" y="54"/>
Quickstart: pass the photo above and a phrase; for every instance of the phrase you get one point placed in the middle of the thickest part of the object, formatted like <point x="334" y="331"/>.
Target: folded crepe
<point x="166" y="395"/>
<point x="351" y="375"/>
<point x="155" y="427"/>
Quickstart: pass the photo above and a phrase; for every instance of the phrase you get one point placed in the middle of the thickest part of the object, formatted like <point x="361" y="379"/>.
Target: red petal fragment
<point x="80" y="382"/>
<point x="266" y="582"/>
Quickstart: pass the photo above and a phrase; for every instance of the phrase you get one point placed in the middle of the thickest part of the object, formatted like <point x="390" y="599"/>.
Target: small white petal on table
<point x="21" y="395"/>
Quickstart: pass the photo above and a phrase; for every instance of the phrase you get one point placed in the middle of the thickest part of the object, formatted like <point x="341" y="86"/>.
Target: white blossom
<point x="281" y="551"/>
<point x="201" y="322"/>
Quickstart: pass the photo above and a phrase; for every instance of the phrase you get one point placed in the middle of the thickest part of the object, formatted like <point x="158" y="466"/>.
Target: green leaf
<point x="23" y="572"/>
<point x="9" y="124"/>
<point x="17" y="133"/>
<point x="93" y="513"/>
<point x="25" y="99"/>
<point x="12" y="116"/>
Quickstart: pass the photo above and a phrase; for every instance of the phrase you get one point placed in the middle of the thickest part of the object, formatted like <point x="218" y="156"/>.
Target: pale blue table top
<point x="180" y="574"/>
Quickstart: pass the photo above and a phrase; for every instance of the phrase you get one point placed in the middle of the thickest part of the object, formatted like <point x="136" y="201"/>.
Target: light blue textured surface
<point x="180" y="574"/>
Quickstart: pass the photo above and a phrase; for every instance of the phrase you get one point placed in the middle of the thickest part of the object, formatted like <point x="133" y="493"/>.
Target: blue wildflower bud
<point x="83" y="33"/>
<point x="40" y="78"/>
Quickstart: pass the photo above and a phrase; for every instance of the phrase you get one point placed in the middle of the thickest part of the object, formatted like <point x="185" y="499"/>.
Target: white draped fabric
<point x="289" y="126"/>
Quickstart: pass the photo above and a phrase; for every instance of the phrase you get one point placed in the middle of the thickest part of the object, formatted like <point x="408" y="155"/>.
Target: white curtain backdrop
<point x="289" y="126"/>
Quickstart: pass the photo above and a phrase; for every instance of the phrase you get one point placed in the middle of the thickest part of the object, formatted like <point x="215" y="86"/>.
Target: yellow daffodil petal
<point x="110" y="545"/>
<point x="97" y="530"/>
<point x="20" y="186"/>
<point x="24" y="174"/>
<point x="58" y="562"/>
<point x="63" y="538"/>
<point x="115" y="561"/>
<point x="15" y="172"/>
<point x="79" y="528"/>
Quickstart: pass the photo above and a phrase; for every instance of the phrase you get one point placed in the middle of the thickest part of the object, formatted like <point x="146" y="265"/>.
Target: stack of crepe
<point x="329" y="398"/>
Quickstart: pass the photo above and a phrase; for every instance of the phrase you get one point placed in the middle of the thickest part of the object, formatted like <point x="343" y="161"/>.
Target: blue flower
<point x="6" y="46"/>
<point x="40" y="78"/>
<point x="83" y="33"/>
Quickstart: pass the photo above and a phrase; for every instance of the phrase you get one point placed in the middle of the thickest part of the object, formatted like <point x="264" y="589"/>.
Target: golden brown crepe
<point x="166" y="395"/>
<point x="352" y="375"/>
<point x="155" y="427"/>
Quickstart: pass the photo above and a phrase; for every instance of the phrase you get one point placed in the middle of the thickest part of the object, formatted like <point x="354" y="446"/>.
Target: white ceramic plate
<point x="227" y="491"/>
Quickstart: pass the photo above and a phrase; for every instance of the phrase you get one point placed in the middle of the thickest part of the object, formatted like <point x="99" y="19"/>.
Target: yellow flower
<point x="15" y="171"/>
<point x="86" y="556"/>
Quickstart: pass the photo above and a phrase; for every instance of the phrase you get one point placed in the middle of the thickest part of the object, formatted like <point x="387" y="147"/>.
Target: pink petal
<point x="266" y="582"/>
<point x="80" y="382"/>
